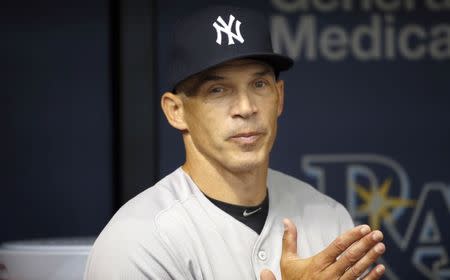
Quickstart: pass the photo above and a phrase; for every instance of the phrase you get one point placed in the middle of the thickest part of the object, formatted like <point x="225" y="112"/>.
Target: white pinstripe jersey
<point x="172" y="231"/>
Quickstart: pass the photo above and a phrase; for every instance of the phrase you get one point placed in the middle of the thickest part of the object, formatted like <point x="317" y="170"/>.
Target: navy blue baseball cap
<point x="219" y="34"/>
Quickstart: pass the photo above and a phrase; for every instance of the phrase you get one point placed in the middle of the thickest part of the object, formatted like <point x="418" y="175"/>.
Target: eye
<point x="260" y="84"/>
<point x="216" y="90"/>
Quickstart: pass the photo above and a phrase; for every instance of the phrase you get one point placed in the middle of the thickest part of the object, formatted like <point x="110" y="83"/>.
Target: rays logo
<point x="377" y="190"/>
<point x="226" y="28"/>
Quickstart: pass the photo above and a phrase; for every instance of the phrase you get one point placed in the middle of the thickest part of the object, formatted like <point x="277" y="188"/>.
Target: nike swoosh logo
<point x="246" y="214"/>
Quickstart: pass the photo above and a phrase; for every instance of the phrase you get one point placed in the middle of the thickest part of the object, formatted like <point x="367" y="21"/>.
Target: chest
<point x="210" y="244"/>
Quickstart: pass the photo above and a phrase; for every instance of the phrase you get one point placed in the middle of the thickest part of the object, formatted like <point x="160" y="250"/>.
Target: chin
<point x="247" y="164"/>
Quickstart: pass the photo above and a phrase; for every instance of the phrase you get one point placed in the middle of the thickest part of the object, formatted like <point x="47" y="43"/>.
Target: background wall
<point x="367" y="115"/>
<point x="57" y="132"/>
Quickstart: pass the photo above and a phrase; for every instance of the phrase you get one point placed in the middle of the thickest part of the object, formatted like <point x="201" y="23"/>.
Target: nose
<point x="244" y="105"/>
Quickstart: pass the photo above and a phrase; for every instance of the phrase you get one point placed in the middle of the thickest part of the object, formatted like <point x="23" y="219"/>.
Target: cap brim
<point x="277" y="61"/>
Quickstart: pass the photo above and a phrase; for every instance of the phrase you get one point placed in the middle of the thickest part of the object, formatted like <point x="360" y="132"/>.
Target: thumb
<point x="267" y="275"/>
<point x="289" y="239"/>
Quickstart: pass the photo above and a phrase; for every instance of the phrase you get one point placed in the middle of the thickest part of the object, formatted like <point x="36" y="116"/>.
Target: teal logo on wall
<point x="377" y="190"/>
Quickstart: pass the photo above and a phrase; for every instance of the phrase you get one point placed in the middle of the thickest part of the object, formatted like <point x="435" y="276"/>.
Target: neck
<point x="247" y="188"/>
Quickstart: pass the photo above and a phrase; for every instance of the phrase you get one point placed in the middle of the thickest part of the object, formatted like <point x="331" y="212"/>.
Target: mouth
<point x="246" y="138"/>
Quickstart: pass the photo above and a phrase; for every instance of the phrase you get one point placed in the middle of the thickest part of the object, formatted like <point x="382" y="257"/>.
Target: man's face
<point x="231" y="119"/>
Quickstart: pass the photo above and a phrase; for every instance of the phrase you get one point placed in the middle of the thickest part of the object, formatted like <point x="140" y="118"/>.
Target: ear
<point x="280" y="91"/>
<point x="173" y="109"/>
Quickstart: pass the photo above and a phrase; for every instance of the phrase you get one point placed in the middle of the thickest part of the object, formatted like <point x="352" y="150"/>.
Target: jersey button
<point x="262" y="255"/>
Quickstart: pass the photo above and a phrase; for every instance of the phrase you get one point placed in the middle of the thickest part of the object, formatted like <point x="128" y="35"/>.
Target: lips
<point x="246" y="137"/>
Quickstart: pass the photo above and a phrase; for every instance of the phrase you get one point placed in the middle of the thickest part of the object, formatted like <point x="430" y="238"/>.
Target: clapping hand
<point x="347" y="257"/>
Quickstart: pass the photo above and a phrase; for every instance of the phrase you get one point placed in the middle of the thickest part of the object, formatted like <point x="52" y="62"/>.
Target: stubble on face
<point x="225" y="132"/>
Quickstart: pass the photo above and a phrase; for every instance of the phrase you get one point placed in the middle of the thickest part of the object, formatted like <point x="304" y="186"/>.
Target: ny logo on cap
<point x="226" y="28"/>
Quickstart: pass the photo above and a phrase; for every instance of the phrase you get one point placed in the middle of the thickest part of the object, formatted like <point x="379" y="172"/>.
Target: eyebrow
<point x="210" y="77"/>
<point x="263" y="73"/>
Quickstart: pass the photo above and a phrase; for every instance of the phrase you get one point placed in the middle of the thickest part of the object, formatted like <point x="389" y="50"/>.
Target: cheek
<point x="204" y="123"/>
<point x="270" y="108"/>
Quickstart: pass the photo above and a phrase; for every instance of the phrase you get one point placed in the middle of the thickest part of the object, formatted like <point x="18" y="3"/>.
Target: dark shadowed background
<point x="367" y="115"/>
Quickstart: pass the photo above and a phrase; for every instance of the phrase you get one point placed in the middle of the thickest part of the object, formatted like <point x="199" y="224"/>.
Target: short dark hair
<point x="190" y="85"/>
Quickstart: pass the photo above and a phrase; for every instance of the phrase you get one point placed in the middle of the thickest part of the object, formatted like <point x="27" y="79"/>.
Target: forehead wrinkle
<point x="212" y="74"/>
<point x="215" y="77"/>
<point x="211" y="77"/>
<point x="263" y="73"/>
<point x="240" y="63"/>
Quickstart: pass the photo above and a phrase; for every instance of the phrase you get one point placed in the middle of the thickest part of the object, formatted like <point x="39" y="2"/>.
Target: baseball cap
<point x="219" y="34"/>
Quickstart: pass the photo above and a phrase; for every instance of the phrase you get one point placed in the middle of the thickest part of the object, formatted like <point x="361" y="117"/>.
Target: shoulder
<point x="130" y="249"/>
<point x="141" y="212"/>
<point x="131" y="243"/>
<point x="298" y="196"/>
<point x="293" y="186"/>
<point x="166" y="193"/>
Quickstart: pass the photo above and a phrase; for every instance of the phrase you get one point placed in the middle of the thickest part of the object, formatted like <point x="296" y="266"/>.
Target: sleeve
<point x="131" y="250"/>
<point x="344" y="218"/>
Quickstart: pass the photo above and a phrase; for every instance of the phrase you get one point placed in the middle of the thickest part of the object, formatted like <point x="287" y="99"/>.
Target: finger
<point x="364" y="248"/>
<point x="340" y="244"/>
<point x="289" y="239"/>
<point x="376" y="273"/>
<point x="267" y="275"/>
<point x="364" y="263"/>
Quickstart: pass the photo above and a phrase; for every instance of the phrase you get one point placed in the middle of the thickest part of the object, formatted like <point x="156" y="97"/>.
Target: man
<point x="224" y="214"/>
